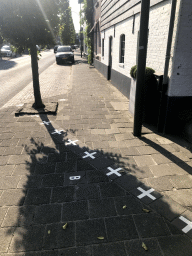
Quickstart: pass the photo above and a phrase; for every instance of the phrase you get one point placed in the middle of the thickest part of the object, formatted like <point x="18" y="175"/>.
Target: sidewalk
<point x="85" y="168"/>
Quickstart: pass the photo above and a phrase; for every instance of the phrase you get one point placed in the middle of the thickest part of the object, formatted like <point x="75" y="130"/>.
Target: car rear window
<point x="64" y="49"/>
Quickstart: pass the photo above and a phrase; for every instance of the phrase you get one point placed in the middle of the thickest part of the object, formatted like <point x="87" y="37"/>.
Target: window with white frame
<point x="122" y="49"/>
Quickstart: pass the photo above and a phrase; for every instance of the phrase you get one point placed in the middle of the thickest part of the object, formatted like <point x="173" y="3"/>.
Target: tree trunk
<point x="34" y="65"/>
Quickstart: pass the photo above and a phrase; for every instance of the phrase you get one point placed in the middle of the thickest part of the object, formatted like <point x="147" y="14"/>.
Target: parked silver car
<point x="6" y="51"/>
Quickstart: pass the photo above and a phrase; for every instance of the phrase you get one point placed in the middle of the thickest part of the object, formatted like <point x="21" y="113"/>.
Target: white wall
<point x="181" y="62"/>
<point x="157" y="41"/>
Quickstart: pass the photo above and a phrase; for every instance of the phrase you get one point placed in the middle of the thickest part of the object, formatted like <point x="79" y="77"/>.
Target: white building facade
<point x="120" y="24"/>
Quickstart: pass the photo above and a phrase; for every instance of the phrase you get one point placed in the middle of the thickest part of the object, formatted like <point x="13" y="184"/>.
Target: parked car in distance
<point x="6" y="51"/>
<point x="64" y="54"/>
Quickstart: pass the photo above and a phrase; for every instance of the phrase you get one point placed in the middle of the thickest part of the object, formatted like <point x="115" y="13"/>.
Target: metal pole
<point x="141" y="65"/>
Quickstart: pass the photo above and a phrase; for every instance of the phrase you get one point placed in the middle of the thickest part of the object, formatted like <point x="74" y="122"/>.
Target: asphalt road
<point x="16" y="74"/>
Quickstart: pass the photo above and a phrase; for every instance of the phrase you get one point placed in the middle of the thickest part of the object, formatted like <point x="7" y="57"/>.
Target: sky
<point x="75" y="7"/>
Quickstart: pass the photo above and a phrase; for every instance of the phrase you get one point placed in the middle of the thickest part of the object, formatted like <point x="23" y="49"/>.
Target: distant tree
<point x="67" y="30"/>
<point x="87" y="18"/>
<point x="27" y="23"/>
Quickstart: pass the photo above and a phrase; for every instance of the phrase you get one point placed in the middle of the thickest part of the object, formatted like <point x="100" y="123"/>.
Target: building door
<point x="110" y="56"/>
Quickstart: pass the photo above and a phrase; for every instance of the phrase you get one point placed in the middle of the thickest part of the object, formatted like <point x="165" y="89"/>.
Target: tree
<point x="88" y="19"/>
<point x="27" y="23"/>
<point x="67" y="30"/>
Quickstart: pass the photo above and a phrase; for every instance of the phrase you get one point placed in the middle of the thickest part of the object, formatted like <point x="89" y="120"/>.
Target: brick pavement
<point x="85" y="168"/>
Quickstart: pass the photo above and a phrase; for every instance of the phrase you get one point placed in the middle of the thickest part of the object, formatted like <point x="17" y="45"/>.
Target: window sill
<point x="121" y="65"/>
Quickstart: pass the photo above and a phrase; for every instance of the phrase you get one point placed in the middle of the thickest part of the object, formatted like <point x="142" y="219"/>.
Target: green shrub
<point x="148" y="73"/>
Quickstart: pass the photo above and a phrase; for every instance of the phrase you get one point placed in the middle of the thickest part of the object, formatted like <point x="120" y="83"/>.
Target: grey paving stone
<point x="181" y="196"/>
<point x="17" y="159"/>
<point x="69" y="166"/>
<point x="96" y="177"/>
<point x="151" y="225"/>
<point x="47" y="168"/>
<point x="140" y="172"/>
<point x="144" y="160"/>
<point x="128" y="182"/>
<point x="146" y="150"/>
<point x="27" y="181"/>
<point x="181" y="181"/>
<point x="134" y="248"/>
<point x="38" y="196"/>
<point x="8" y="182"/>
<point x="3" y="211"/>
<point x="87" y="191"/>
<point x="130" y="151"/>
<point x="74" y="178"/>
<point x="120" y="228"/>
<point x="19" y="216"/>
<point x="12" y="197"/>
<point x="101" y="162"/>
<point x="166" y="169"/>
<point x="13" y="151"/>
<point x="32" y="239"/>
<point x="80" y="251"/>
<point x="53" y="180"/>
<point x="102" y="208"/>
<point x="6" y="136"/>
<point x="175" y="245"/>
<point x="4" y="160"/>
<point x="75" y="211"/>
<point x="133" y="206"/>
<point x="83" y="165"/>
<point x="6" y="235"/>
<point x="45" y="214"/>
<point x="11" y="142"/>
<point x="159" y="183"/>
<point x="63" y="194"/>
<point x="115" y="249"/>
<point x="167" y="207"/>
<point x="173" y="229"/>
<point x="6" y="170"/>
<point x="145" y="194"/>
<point x="88" y="231"/>
<point x="111" y="190"/>
<point x="22" y="169"/>
<point x="59" y="237"/>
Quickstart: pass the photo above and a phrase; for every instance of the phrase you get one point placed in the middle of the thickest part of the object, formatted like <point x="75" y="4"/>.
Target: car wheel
<point x="73" y="61"/>
<point x="57" y="62"/>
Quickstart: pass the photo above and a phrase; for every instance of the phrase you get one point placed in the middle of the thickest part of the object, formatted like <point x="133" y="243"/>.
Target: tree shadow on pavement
<point x="41" y="214"/>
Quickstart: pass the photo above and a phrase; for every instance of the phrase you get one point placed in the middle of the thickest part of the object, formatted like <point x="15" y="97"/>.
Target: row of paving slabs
<point x="175" y="213"/>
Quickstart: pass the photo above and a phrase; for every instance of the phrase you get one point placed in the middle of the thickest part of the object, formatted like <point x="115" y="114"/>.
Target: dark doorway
<point x="110" y="57"/>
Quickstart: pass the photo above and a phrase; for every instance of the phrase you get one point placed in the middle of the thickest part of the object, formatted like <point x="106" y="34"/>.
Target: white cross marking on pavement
<point x="89" y="155"/>
<point x="189" y="224"/>
<point x="46" y="123"/>
<point x="146" y="193"/>
<point x="112" y="171"/>
<point x="58" y="132"/>
<point x="71" y="142"/>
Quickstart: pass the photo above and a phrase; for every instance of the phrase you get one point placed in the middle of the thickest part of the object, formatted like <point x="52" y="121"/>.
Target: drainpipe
<point x="163" y="110"/>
